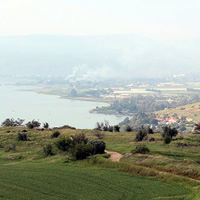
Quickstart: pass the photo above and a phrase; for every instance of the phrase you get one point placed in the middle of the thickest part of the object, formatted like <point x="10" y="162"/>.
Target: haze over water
<point x="15" y="103"/>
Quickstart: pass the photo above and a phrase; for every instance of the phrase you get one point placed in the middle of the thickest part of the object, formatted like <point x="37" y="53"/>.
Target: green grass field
<point x="43" y="180"/>
<point x="167" y="172"/>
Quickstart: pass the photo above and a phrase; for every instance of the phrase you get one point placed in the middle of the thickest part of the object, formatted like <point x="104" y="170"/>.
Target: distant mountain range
<point x="97" y="57"/>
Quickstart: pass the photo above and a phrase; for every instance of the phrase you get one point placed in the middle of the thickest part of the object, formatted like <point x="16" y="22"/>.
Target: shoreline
<point x="86" y="100"/>
<point x="74" y="98"/>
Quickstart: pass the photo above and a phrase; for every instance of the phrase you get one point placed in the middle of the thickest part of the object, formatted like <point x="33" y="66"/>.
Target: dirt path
<point x="114" y="156"/>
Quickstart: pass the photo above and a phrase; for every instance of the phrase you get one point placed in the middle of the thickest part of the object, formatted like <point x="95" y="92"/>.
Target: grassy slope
<point x="181" y="157"/>
<point x="26" y="173"/>
<point x="191" y="111"/>
<point x="43" y="180"/>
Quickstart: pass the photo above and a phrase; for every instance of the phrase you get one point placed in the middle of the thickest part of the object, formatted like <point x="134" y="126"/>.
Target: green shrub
<point x="98" y="146"/>
<point x="116" y="128"/>
<point x="105" y="128"/>
<point x="48" y="150"/>
<point x="150" y="130"/>
<point x="64" y="144"/>
<point x="33" y="124"/>
<point x="55" y="134"/>
<point x="46" y="125"/>
<point x="12" y="122"/>
<point x="127" y="128"/>
<point x="82" y="151"/>
<point x="141" y="149"/>
<point x="79" y="139"/>
<point x="169" y="132"/>
<point x="29" y="125"/>
<point x="141" y="135"/>
<point x="110" y="128"/>
<point x="22" y="137"/>
<point x="167" y="140"/>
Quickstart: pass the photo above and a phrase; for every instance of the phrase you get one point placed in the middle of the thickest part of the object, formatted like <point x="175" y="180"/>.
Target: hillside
<point x="26" y="173"/>
<point x="191" y="112"/>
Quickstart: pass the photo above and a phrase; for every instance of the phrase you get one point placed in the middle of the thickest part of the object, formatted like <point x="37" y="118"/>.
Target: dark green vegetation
<point x="33" y="124"/>
<point x="168" y="133"/>
<point x="55" y="134"/>
<point x="142" y="149"/>
<point x="167" y="172"/>
<point x="12" y="122"/>
<point x="141" y="135"/>
<point x="141" y="103"/>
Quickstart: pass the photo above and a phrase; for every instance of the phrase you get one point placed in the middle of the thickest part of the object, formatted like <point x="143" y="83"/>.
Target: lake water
<point x="15" y="103"/>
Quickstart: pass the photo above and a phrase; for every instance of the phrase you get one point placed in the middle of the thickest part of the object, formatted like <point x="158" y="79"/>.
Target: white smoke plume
<point x="84" y="73"/>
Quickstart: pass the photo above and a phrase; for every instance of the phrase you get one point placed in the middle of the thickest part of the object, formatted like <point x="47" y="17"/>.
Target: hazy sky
<point x="158" y="19"/>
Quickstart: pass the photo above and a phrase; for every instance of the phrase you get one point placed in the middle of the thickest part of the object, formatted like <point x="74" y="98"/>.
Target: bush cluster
<point x="48" y="150"/>
<point x="46" y="125"/>
<point x="12" y="122"/>
<point x="98" y="146"/>
<point x="141" y="135"/>
<point x="64" y="144"/>
<point x="168" y="133"/>
<point x="33" y="124"/>
<point x="141" y="149"/>
<point x="104" y="126"/>
<point x="79" y="139"/>
<point x="167" y="140"/>
<point x="22" y="137"/>
<point x="78" y="146"/>
<point x="55" y="134"/>
<point x="82" y="151"/>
